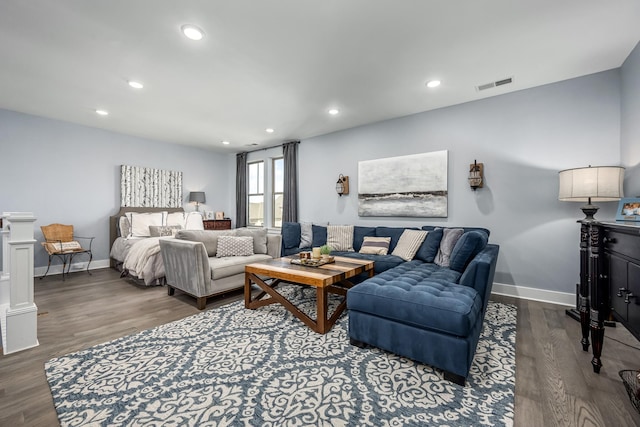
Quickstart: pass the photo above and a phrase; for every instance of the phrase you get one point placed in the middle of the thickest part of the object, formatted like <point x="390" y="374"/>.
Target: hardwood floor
<point x="555" y="384"/>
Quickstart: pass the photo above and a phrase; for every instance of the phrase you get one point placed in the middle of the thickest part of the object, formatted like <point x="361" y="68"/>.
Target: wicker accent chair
<point x="61" y="243"/>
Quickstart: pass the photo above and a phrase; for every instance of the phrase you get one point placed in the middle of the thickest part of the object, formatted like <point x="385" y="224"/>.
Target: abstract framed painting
<point x="409" y="186"/>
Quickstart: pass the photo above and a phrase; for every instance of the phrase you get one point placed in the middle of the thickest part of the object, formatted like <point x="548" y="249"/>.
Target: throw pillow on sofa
<point x="234" y="246"/>
<point x="429" y="248"/>
<point x="306" y="235"/>
<point x="375" y="245"/>
<point x="319" y="235"/>
<point x="466" y="248"/>
<point x="409" y="243"/>
<point x="450" y="237"/>
<point x="259" y="238"/>
<point x="290" y="235"/>
<point x="340" y="237"/>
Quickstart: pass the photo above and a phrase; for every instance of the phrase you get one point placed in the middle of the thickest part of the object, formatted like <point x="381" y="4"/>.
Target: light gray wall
<point x="70" y="174"/>
<point x="523" y="139"/>
<point x="630" y="122"/>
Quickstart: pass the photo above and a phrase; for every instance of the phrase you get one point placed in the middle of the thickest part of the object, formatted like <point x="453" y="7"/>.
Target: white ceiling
<point x="283" y="63"/>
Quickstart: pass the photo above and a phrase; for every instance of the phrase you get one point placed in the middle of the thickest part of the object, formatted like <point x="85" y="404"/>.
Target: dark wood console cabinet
<point x="609" y="280"/>
<point x="622" y="262"/>
<point x="217" y="224"/>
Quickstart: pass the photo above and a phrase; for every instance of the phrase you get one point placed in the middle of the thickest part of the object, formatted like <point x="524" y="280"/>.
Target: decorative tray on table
<point x="310" y="262"/>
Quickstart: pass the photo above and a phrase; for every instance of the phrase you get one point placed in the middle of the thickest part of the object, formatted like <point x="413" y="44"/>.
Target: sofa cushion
<point x="319" y="235"/>
<point x="232" y="265"/>
<point x="429" y="248"/>
<point x="259" y="238"/>
<point x="359" y="233"/>
<point x="375" y="245"/>
<point x="409" y="243"/>
<point x="420" y="296"/>
<point x="450" y="237"/>
<point x="290" y="234"/>
<point x="340" y="237"/>
<point x="467" y="247"/>
<point x="208" y="237"/>
<point x="393" y="232"/>
<point x="306" y="235"/>
<point x="234" y="246"/>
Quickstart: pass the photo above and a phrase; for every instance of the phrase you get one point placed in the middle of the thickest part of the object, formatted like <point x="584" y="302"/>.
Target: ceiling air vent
<point x="497" y="83"/>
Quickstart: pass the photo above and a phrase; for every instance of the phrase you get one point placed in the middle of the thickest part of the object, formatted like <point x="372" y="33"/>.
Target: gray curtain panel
<point x="290" y="196"/>
<point x="241" y="190"/>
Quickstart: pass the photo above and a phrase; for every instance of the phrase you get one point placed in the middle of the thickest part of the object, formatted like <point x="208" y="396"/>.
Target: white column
<point x="19" y="318"/>
<point x="4" y="275"/>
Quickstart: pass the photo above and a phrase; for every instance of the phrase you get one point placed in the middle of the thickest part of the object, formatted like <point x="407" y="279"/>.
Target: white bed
<point x="135" y="252"/>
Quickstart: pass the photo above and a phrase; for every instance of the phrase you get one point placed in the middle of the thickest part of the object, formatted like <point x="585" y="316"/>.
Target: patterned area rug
<point x="231" y="366"/>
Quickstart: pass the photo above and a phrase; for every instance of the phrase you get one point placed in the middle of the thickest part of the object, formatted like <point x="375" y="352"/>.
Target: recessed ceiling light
<point x="192" y="32"/>
<point x="334" y="111"/>
<point x="433" y="83"/>
<point x="135" y="85"/>
<point x="269" y="130"/>
<point x="102" y="112"/>
<point x="226" y="142"/>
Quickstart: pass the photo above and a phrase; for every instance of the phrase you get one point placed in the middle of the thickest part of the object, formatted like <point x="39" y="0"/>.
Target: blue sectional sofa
<point x="427" y="308"/>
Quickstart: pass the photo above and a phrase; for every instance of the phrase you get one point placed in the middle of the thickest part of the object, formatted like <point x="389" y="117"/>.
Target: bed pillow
<point x="193" y="221"/>
<point x="140" y="222"/>
<point x="375" y="245"/>
<point x="340" y="238"/>
<point x="175" y="218"/>
<point x="409" y="243"/>
<point x="259" y="236"/>
<point x="163" y="230"/>
<point x="234" y="246"/>
<point x="124" y="228"/>
<point x="450" y="237"/>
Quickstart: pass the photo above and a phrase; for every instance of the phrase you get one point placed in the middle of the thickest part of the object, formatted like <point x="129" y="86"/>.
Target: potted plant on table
<point x="325" y="252"/>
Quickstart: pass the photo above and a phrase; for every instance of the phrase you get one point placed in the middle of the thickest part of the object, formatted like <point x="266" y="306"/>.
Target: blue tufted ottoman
<point x="418" y="310"/>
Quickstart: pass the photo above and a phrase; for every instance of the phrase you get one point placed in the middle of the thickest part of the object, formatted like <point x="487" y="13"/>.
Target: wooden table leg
<point x="321" y="315"/>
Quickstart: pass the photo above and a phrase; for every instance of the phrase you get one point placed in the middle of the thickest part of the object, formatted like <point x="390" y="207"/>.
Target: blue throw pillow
<point x="319" y="235"/>
<point x="359" y="233"/>
<point x="290" y="234"/>
<point x="467" y="247"/>
<point x="429" y="248"/>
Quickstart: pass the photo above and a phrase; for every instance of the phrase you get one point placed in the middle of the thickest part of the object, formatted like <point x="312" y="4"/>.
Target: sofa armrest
<point x="274" y="245"/>
<point x="480" y="272"/>
<point x="186" y="266"/>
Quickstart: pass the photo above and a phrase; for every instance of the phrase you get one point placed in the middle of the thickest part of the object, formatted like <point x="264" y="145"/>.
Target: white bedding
<point x="140" y="254"/>
<point x="144" y="260"/>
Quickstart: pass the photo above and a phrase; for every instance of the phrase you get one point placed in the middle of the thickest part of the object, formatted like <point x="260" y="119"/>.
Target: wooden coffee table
<point x="329" y="278"/>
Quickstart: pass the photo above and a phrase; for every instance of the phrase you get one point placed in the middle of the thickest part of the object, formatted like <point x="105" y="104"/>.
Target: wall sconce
<point x="476" y="172"/>
<point x="197" y="197"/>
<point x="342" y="186"/>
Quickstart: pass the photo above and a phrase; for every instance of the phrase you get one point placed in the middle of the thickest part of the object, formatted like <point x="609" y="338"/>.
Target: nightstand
<point x="217" y="224"/>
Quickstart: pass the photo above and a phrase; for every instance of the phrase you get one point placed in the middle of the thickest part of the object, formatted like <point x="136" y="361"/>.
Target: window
<point x="256" y="194"/>
<point x="278" y="191"/>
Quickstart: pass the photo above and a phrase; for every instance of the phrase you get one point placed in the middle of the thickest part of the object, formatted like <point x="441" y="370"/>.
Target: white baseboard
<point x="534" y="294"/>
<point x="76" y="266"/>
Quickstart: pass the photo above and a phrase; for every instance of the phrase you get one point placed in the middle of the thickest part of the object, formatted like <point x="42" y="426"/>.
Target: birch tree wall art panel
<point x="413" y="186"/>
<point x="150" y="187"/>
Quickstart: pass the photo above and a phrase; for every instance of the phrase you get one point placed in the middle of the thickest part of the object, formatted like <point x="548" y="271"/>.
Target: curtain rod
<point x="268" y="148"/>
